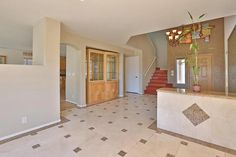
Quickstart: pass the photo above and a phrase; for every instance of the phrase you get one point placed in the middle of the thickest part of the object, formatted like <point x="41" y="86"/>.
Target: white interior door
<point x="132" y="74"/>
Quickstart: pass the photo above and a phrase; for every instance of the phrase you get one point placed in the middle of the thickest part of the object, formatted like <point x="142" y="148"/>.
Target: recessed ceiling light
<point x="82" y="0"/>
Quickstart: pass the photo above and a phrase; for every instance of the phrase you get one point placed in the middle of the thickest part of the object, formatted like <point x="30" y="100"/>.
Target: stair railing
<point x="150" y="66"/>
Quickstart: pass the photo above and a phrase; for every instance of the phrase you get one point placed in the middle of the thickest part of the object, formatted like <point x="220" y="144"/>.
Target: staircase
<point x="159" y="80"/>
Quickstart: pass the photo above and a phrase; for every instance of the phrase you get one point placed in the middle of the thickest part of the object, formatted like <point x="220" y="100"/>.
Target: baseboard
<point x="29" y="130"/>
<point x="121" y="96"/>
<point x="72" y="102"/>
<point x="76" y="103"/>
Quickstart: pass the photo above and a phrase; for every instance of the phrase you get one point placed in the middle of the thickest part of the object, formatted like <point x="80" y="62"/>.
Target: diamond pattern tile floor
<point x="110" y="129"/>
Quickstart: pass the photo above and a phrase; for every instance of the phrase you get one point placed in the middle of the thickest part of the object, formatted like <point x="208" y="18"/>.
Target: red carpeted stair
<point x="159" y="80"/>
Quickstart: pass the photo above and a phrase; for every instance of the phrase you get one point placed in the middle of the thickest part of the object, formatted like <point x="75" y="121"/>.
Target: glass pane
<point x="111" y="67"/>
<point x="96" y="66"/>
<point x="180" y="65"/>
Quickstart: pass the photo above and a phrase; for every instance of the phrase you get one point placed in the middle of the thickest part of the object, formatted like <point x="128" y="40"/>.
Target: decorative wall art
<point x="187" y="35"/>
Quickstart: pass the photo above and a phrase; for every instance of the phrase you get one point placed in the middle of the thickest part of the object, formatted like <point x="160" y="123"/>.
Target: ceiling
<point x="113" y="21"/>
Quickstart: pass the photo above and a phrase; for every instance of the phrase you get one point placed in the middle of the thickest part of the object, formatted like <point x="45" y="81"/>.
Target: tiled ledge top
<point x="203" y="93"/>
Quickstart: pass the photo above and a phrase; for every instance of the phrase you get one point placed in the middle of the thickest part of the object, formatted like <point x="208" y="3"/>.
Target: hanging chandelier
<point x="173" y="36"/>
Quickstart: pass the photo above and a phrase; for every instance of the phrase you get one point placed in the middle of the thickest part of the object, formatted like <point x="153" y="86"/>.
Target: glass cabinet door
<point x="112" y="67"/>
<point x="96" y="66"/>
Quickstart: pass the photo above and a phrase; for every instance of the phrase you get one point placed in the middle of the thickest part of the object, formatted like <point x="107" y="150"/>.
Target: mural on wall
<point x="187" y="38"/>
<point x="185" y="34"/>
<point x="203" y="31"/>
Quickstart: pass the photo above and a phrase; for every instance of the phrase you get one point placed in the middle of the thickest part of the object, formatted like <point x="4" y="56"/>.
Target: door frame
<point x="139" y="76"/>
<point x="189" y="70"/>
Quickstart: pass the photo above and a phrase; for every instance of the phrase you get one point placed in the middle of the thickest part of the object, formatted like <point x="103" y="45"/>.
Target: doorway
<point x="103" y="77"/>
<point x="205" y="74"/>
<point x="132" y="74"/>
<point x="70" y="66"/>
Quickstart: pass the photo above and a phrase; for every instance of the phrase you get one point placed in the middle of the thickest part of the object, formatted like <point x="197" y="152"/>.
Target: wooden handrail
<point x="149" y="67"/>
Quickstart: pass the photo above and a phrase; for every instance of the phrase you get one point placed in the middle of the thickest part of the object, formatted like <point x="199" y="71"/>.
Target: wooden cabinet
<point x="102" y="76"/>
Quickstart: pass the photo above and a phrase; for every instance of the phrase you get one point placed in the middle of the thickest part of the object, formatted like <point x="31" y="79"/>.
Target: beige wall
<point x="14" y="56"/>
<point x="32" y="91"/>
<point x="229" y="24"/>
<point x="81" y="43"/>
<point x="232" y="61"/>
<point x="160" y="42"/>
<point x="148" y="53"/>
<point x="214" y="47"/>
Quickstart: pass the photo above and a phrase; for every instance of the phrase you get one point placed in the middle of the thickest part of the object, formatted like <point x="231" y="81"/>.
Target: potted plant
<point x="192" y="56"/>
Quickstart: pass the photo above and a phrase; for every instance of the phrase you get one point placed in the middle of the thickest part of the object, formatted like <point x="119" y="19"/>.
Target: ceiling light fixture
<point x="173" y="36"/>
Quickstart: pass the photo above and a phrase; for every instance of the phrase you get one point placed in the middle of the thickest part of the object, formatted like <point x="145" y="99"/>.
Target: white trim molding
<point x="29" y="130"/>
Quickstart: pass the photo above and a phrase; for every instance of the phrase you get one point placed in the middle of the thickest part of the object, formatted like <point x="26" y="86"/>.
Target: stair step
<point x="159" y="75"/>
<point x="161" y="71"/>
<point x="158" y="81"/>
<point x="156" y="85"/>
<point x="159" y="78"/>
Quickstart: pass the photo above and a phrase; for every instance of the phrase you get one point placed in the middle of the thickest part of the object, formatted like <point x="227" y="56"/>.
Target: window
<point x="181" y="71"/>
<point x="111" y="67"/>
<point x="96" y="66"/>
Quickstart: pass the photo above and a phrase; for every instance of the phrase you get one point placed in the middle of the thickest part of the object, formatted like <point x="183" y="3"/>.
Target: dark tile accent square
<point x="67" y="136"/>
<point x="114" y="112"/>
<point x="78" y="149"/>
<point x="140" y="124"/>
<point x="99" y="116"/>
<point x="184" y="143"/>
<point x="138" y="113"/>
<point x="143" y="141"/>
<point x="75" y="115"/>
<point x="195" y="114"/>
<point x="91" y="111"/>
<point x="104" y="109"/>
<point x="169" y="155"/>
<point x="124" y="130"/>
<point x="82" y="121"/>
<point x="104" y="138"/>
<point x="117" y="105"/>
<point x="110" y="122"/>
<point x="125" y="117"/>
<point x="61" y="126"/>
<point x="122" y="153"/>
<point x="91" y="128"/>
<point x="147" y="110"/>
<point x="36" y="146"/>
<point x="126" y="109"/>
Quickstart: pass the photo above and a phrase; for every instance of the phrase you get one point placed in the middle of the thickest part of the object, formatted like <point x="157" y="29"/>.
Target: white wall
<point x="146" y="53"/>
<point x="32" y="91"/>
<point x="73" y="74"/>
<point x="229" y="24"/>
<point x="81" y="43"/>
<point x="160" y="42"/>
<point x="14" y="56"/>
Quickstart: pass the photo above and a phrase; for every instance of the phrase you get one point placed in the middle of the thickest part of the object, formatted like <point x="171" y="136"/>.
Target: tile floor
<point x="111" y="129"/>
